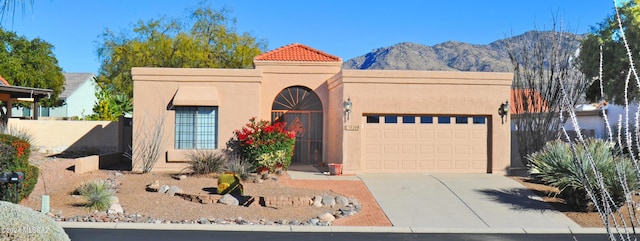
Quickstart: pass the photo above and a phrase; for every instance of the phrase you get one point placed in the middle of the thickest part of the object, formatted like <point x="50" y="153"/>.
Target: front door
<point x="301" y="110"/>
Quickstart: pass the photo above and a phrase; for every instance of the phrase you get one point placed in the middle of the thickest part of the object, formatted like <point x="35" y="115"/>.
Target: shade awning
<point x="196" y="96"/>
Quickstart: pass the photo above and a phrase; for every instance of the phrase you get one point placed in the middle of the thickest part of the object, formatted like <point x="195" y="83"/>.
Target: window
<point x="444" y="119"/>
<point x="373" y="119"/>
<point x="391" y="119"/>
<point x="479" y="120"/>
<point x="408" y="119"/>
<point x="196" y="127"/>
<point x="426" y="119"/>
<point x="462" y="119"/>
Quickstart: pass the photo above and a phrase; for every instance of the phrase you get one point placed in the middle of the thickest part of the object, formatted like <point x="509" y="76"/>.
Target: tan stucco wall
<point x="153" y="89"/>
<point x="57" y="136"/>
<point x="426" y="92"/>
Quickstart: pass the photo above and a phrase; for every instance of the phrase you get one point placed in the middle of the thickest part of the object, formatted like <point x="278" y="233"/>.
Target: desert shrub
<point x="205" y="162"/>
<point x="555" y="165"/>
<point x="14" y="157"/>
<point x="258" y="138"/>
<point x="21" y="223"/>
<point x="241" y="167"/>
<point x="97" y="192"/>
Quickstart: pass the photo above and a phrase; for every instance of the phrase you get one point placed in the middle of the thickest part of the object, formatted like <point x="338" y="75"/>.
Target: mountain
<point x="452" y="55"/>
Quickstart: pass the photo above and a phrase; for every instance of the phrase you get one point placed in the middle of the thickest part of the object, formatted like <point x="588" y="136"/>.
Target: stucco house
<point x="388" y="121"/>
<point x="79" y="96"/>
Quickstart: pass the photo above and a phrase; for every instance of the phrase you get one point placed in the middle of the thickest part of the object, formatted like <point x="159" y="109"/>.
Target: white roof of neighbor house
<point x="72" y="81"/>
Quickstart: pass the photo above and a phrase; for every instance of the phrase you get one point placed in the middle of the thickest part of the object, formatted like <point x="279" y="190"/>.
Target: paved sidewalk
<point x="462" y="202"/>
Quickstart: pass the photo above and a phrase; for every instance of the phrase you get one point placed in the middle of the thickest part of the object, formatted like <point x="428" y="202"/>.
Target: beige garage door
<point x="425" y="143"/>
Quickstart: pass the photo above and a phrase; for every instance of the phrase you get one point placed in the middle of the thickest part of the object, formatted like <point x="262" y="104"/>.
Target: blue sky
<point x="346" y="28"/>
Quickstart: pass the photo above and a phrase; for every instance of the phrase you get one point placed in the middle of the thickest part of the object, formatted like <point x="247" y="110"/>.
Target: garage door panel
<point x="391" y="164"/>
<point x="391" y="134"/>
<point x="409" y="149"/>
<point x="426" y="134"/>
<point x="373" y="134"/>
<point x="374" y="164"/>
<point x="426" y="165"/>
<point x="409" y="164"/>
<point x="390" y="150"/>
<point x="409" y="134"/>
<point x="445" y="134"/>
<point x="372" y="149"/>
<point x="426" y="147"/>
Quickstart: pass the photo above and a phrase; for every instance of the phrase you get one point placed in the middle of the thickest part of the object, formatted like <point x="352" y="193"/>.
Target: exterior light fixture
<point x="347" y="108"/>
<point x="503" y="111"/>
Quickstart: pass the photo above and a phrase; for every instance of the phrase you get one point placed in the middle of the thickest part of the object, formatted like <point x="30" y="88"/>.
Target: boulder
<point x="342" y="201"/>
<point x="328" y="201"/>
<point x="173" y="190"/>
<point x="230" y="200"/>
<point x="163" y="189"/>
<point x="115" y="209"/>
<point x="155" y="185"/>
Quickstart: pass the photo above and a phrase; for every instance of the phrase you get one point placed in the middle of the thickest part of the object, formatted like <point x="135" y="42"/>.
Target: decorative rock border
<point x="346" y="206"/>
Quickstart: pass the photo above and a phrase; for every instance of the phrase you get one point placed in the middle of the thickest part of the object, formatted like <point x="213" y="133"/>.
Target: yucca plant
<point x="555" y="165"/>
<point x="97" y="192"/>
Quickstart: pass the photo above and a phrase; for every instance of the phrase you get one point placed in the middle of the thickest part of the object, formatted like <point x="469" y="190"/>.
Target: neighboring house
<point x="398" y="120"/>
<point x="79" y="96"/>
<point x="9" y="94"/>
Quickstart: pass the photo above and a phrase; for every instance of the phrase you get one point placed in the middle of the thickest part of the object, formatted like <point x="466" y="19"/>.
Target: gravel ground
<point x="59" y="181"/>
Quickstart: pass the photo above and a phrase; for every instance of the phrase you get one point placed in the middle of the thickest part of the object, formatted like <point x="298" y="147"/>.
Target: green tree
<point x="206" y="38"/>
<point x="110" y="106"/>
<point x="615" y="63"/>
<point x="31" y="63"/>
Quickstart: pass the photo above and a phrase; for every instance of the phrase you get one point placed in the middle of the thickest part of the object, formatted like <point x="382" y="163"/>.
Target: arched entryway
<point x="301" y="109"/>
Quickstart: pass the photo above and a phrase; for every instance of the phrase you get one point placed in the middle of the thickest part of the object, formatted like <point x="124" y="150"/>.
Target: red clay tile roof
<point x="4" y="82"/>
<point x="534" y="101"/>
<point x="297" y="52"/>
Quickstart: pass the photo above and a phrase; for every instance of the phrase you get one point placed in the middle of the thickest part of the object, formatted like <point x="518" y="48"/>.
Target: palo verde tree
<point x="615" y="65"/>
<point x="206" y="38"/>
<point x="30" y="63"/>
<point x="543" y="62"/>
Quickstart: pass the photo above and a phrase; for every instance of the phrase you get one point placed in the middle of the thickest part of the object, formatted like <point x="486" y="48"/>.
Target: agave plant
<point x="555" y="165"/>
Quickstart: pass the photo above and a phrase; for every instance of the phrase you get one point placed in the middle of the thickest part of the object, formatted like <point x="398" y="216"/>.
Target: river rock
<point x="317" y="201"/>
<point x="342" y="201"/>
<point x="326" y="217"/>
<point x="328" y="201"/>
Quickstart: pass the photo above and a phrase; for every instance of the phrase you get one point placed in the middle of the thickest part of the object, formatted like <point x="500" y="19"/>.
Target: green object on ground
<point x="229" y="183"/>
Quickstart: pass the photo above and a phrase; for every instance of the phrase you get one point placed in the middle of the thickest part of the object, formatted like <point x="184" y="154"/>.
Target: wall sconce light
<point x="347" y="108"/>
<point x="503" y="111"/>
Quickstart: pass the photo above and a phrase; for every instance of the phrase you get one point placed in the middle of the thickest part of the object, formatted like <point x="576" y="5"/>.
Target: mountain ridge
<point x="452" y="55"/>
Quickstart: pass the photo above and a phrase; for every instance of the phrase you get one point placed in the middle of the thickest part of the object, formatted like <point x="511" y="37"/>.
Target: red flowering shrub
<point x="14" y="157"/>
<point x="263" y="137"/>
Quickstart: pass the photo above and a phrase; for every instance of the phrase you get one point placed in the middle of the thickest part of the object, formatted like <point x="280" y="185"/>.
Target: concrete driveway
<point x="462" y="201"/>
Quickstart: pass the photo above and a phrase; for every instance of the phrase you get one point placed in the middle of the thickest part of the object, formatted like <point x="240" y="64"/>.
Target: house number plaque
<point x="351" y="127"/>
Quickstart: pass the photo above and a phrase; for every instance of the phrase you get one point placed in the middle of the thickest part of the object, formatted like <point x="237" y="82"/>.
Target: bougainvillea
<point x="258" y="139"/>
